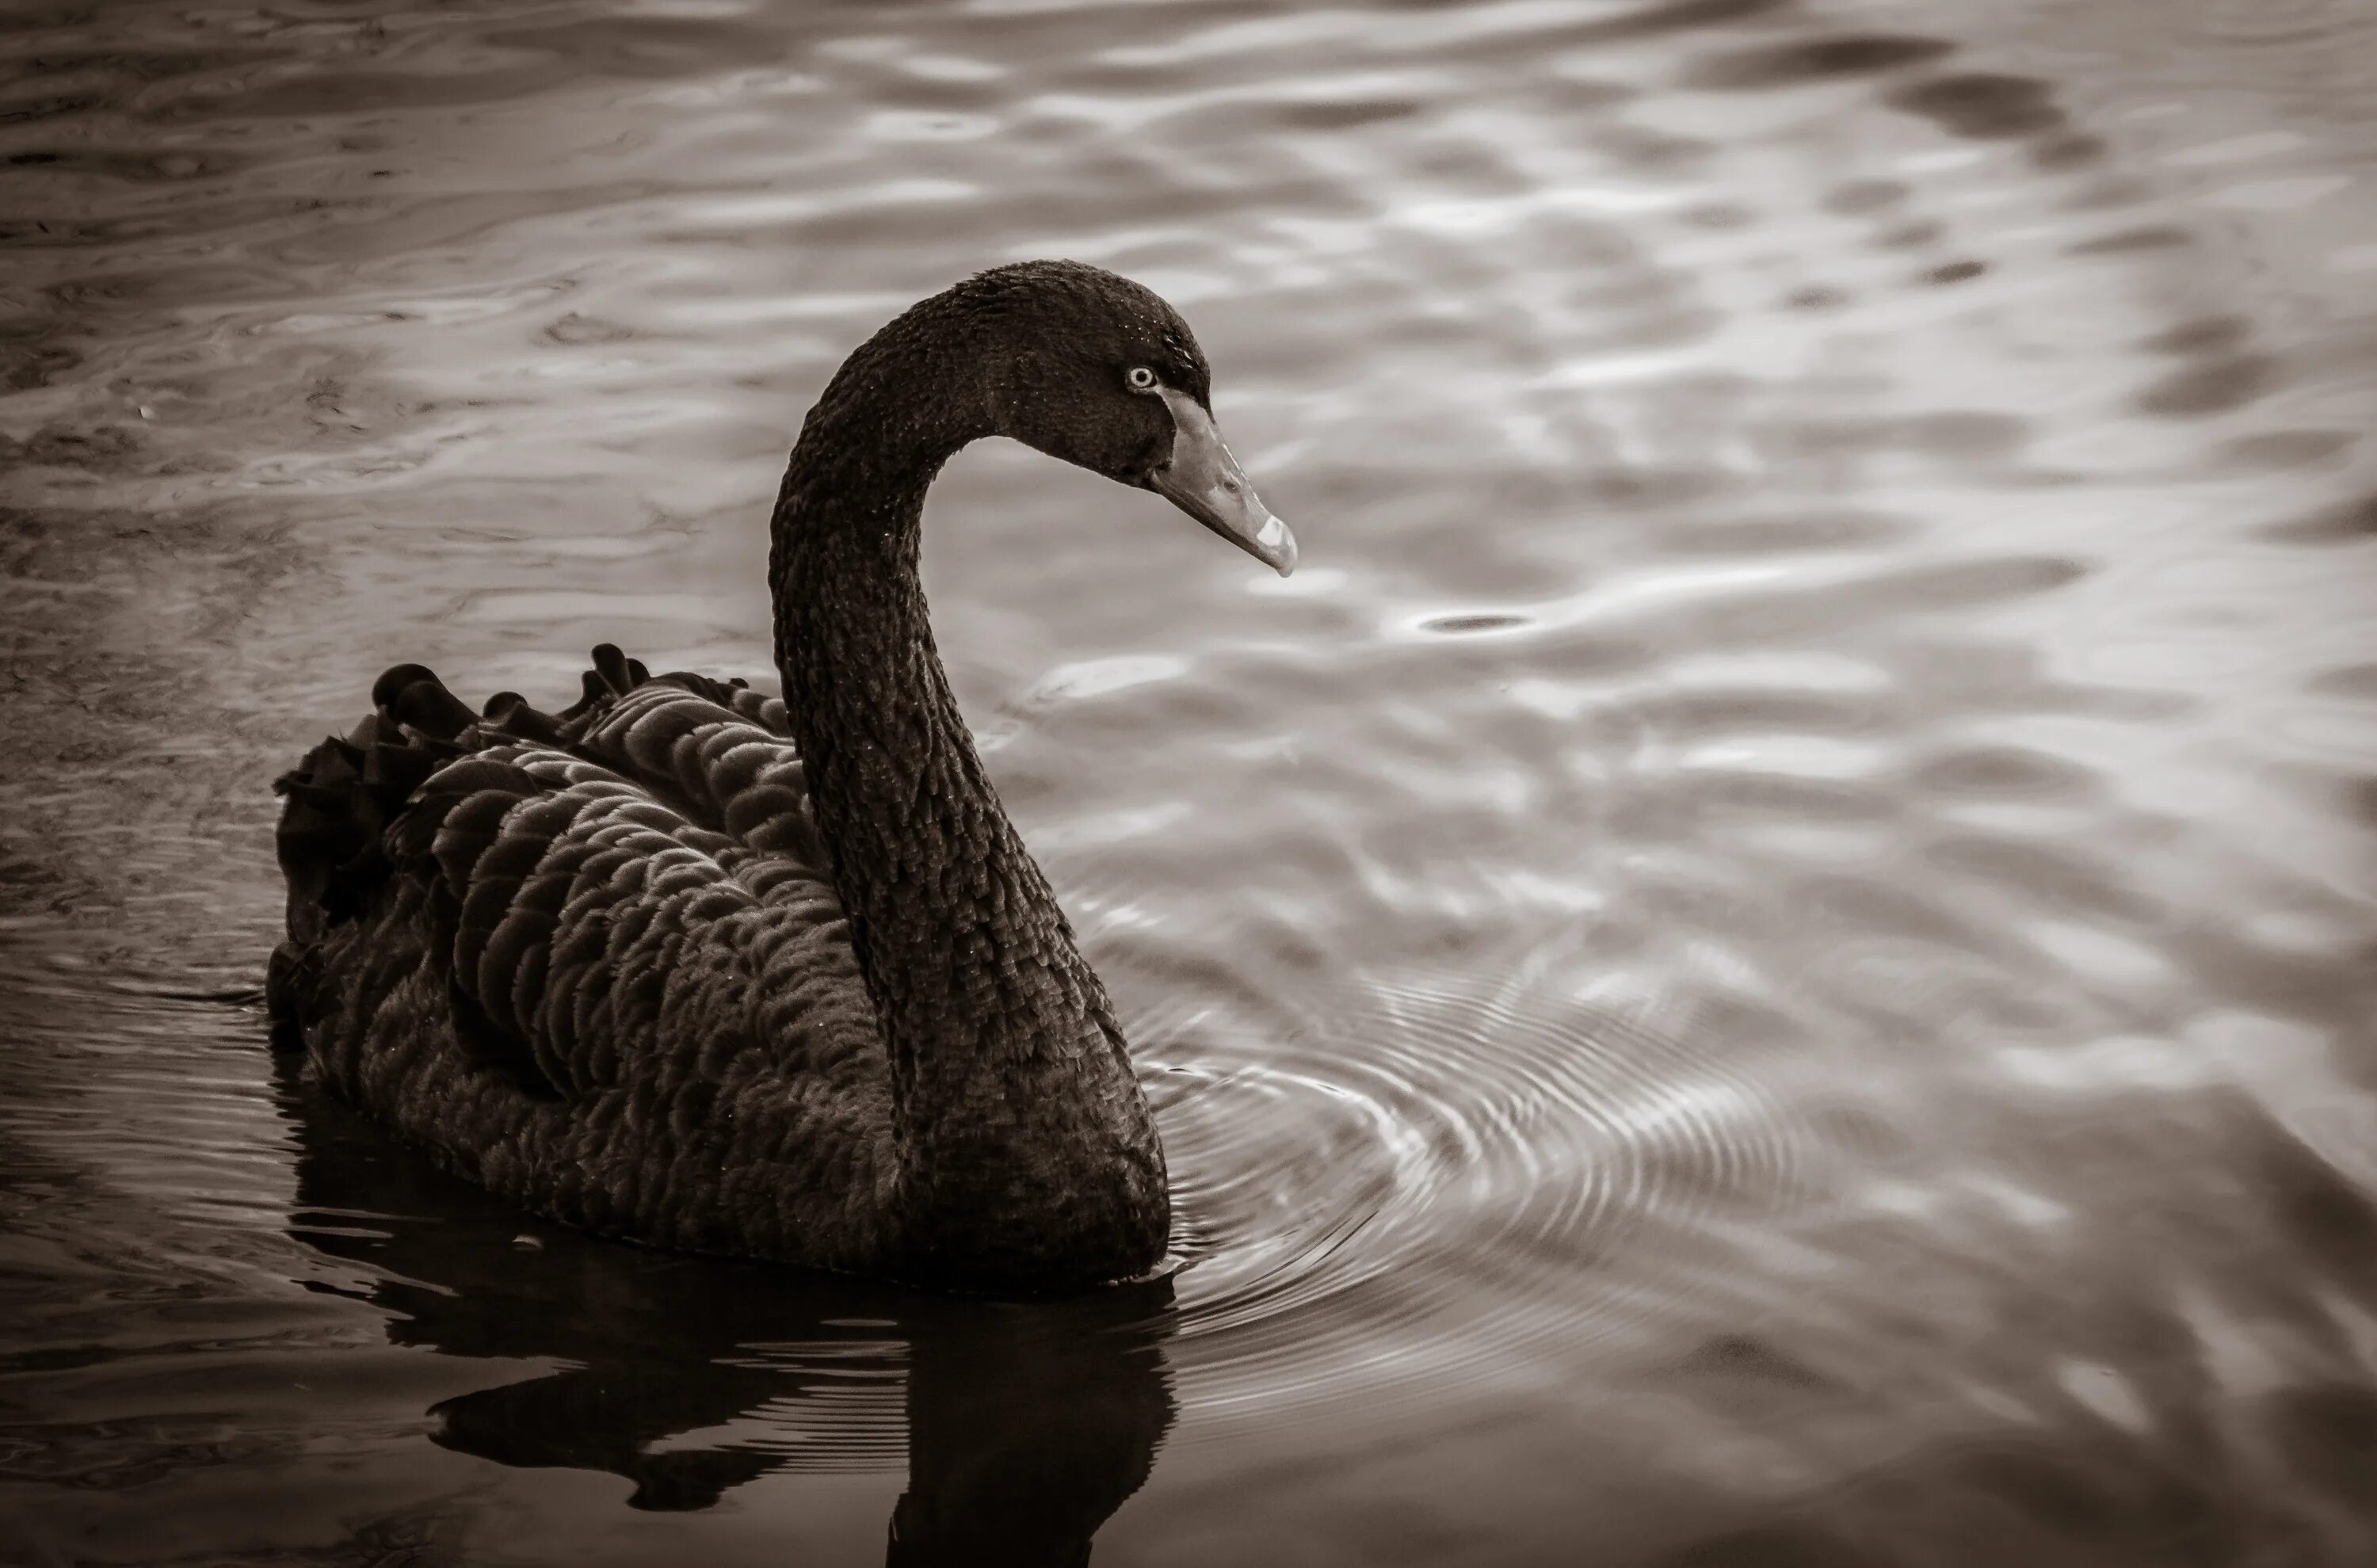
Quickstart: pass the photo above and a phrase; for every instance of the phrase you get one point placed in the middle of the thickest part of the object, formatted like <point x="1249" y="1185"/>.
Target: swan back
<point x="595" y="962"/>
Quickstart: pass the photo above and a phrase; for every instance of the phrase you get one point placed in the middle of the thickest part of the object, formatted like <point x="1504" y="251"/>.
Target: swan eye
<point x="1139" y="379"/>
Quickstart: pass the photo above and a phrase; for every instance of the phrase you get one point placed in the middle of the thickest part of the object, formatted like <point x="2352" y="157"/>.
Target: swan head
<point x="1090" y="367"/>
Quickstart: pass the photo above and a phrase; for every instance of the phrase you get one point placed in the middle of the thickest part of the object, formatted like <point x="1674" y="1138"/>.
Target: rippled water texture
<point x="1765" y="959"/>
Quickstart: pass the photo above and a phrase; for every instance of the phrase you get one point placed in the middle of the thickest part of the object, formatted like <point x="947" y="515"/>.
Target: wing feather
<point x="572" y="948"/>
<point x="588" y="876"/>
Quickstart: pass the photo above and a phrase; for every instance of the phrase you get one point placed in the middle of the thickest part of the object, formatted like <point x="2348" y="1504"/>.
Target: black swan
<point x="766" y="977"/>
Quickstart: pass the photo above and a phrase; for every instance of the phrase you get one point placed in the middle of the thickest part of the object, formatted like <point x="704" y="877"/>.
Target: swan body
<point x="769" y="977"/>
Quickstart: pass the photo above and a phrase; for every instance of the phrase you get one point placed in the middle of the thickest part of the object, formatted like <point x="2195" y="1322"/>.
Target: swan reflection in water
<point x="1027" y="1425"/>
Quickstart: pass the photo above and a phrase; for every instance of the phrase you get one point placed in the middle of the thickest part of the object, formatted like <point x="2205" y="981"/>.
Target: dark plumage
<point x="769" y="977"/>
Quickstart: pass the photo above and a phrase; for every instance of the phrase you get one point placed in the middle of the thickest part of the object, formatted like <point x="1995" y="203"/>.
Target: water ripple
<point x="1355" y="1167"/>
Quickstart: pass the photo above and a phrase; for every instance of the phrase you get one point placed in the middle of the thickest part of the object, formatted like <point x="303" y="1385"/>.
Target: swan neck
<point x="1029" y="1148"/>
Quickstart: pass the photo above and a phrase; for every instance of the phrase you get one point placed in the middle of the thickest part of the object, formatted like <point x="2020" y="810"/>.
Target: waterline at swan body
<point x="772" y="978"/>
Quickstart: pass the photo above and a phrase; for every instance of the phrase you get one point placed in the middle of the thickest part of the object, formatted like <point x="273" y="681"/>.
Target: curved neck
<point x="1026" y="1135"/>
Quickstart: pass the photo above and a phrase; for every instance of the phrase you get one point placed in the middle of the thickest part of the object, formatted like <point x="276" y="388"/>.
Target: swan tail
<point x="337" y="804"/>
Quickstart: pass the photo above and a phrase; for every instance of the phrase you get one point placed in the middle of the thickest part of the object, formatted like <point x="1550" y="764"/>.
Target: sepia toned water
<point x="1767" y="958"/>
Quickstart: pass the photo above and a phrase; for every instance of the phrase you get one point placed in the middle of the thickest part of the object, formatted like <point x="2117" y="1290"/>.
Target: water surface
<point x="1763" y="959"/>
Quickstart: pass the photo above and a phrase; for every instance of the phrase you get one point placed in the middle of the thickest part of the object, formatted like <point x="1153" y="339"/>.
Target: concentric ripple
<point x="1410" y="1184"/>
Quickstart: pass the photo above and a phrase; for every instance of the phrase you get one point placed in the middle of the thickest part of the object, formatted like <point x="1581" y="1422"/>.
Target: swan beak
<point x="1203" y="479"/>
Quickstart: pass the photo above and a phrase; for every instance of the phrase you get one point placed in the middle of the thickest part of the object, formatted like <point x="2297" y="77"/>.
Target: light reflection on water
<point x="1762" y="959"/>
